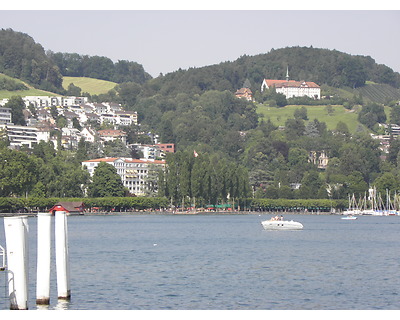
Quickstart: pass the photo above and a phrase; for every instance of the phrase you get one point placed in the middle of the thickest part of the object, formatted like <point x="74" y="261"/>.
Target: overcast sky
<point x="166" y="40"/>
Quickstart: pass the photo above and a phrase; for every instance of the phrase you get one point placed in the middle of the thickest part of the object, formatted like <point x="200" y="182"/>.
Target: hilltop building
<point x="292" y="88"/>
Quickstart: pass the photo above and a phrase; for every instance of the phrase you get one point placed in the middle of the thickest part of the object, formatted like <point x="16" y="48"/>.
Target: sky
<point x="165" y="40"/>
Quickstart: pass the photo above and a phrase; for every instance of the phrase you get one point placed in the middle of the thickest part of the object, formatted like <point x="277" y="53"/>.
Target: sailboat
<point x="353" y="208"/>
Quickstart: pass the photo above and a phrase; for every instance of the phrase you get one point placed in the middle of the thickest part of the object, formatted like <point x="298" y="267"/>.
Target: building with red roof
<point x="292" y="88"/>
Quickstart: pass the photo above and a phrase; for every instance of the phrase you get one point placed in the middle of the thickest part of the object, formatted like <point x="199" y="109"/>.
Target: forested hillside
<point x="22" y="58"/>
<point x="75" y="65"/>
<point x="322" y="66"/>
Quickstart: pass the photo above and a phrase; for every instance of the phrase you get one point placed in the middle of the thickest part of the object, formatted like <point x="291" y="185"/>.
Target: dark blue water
<point x="228" y="262"/>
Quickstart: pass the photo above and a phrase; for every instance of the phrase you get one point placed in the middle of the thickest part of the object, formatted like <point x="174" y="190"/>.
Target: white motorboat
<point x="349" y="218"/>
<point x="281" y="225"/>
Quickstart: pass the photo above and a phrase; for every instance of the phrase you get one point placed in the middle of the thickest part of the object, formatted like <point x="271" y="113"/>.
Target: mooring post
<point x="16" y="232"/>
<point x="62" y="255"/>
<point x="43" y="258"/>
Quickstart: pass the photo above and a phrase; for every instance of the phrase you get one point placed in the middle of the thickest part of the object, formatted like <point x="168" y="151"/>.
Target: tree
<point x="294" y="128"/>
<point x="387" y="181"/>
<point x="280" y="99"/>
<point x="76" y="124"/>
<point x="106" y="182"/>
<point x="18" y="173"/>
<point x="342" y="128"/>
<point x="301" y="113"/>
<point x="73" y="90"/>
<point x="394" y="149"/>
<point x="17" y="106"/>
<point x="128" y="92"/>
<point x="116" y="148"/>
<point x="395" y="114"/>
<point x="371" y="114"/>
<point x="310" y="185"/>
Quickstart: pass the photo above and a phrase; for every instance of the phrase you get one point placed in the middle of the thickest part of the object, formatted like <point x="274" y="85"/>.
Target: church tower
<point x="287" y="73"/>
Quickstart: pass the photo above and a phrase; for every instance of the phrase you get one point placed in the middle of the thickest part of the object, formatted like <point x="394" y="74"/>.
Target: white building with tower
<point x="292" y="88"/>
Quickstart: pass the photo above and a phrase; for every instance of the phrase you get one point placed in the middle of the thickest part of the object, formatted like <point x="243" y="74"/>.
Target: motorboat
<point x="281" y="225"/>
<point x="349" y="218"/>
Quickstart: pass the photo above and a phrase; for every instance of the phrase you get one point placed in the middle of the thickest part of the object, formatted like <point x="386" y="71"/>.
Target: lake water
<point x="225" y="262"/>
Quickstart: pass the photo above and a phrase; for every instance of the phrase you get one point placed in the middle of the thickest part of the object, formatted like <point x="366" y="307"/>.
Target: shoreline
<point x="169" y="213"/>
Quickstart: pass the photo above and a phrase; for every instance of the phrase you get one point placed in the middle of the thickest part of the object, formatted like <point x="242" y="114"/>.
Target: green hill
<point x="31" y="91"/>
<point x="90" y="85"/>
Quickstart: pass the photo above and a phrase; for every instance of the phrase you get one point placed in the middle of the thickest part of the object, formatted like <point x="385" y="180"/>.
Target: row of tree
<point x="129" y="204"/>
<point x="75" y="65"/>
<point x="193" y="179"/>
<point x="95" y="205"/>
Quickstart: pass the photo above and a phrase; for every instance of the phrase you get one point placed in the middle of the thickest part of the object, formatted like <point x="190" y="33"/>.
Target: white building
<point x="88" y="134"/>
<point x="5" y="115"/>
<point x="136" y="174"/>
<point x="43" y="134"/>
<point x="126" y="118"/>
<point x="48" y="101"/>
<point x="292" y="88"/>
<point x="149" y="151"/>
<point x="20" y="136"/>
<point x="112" y="135"/>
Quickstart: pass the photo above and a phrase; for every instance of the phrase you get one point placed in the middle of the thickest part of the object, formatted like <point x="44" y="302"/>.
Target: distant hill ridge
<point x="322" y="66"/>
<point x="22" y="58"/>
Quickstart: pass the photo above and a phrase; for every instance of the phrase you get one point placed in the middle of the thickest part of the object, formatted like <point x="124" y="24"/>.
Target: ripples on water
<point x="228" y="262"/>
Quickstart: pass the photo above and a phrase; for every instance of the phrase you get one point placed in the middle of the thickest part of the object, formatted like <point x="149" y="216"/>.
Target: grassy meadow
<point x="278" y="116"/>
<point x="92" y="86"/>
<point x="5" y="94"/>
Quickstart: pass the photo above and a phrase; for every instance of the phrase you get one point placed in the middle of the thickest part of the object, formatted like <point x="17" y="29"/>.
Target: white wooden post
<point x="16" y="233"/>
<point x="43" y="258"/>
<point x="62" y="256"/>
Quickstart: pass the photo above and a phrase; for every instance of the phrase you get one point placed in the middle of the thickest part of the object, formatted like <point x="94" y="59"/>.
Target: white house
<point x="88" y="134"/>
<point x="100" y="108"/>
<point x="43" y="134"/>
<point x="126" y="118"/>
<point x="112" y="135"/>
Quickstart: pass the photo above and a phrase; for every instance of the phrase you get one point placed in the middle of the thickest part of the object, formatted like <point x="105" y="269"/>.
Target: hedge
<point x="103" y="204"/>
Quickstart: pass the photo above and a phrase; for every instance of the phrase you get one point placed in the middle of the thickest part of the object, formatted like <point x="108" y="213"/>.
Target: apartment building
<point x="20" y="136"/>
<point x="138" y="175"/>
<point x="5" y="115"/>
